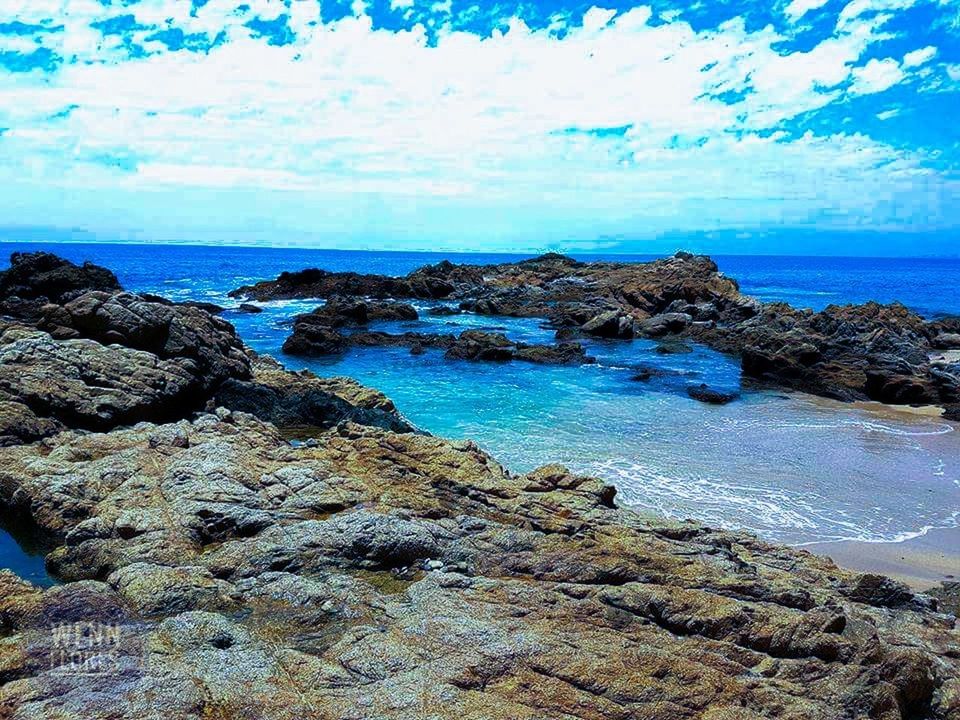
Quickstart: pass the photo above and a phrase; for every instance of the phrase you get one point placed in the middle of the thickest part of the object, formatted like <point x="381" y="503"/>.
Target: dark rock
<point x="609" y="324"/>
<point x="250" y="308"/>
<point x="444" y="311"/>
<point x="314" y="339"/>
<point x="44" y="276"/>
<point x="664" y="324"/>
<point x="302" y="400"/>
<point x="706" y="394"/>
<point x="168" y="331"/>
<point x="674" y="347"/>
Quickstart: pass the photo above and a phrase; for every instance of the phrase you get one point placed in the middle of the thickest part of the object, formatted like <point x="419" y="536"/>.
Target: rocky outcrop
<point x="706" y="394"/>
<point x="864" y="352"/>
<point x="40" y="277"/>
<point x="376" y="574"/>
<point x="341" y="312"/>
<point x="96" y="360"/>
<point x="312" y="337"/>
<point x="303" y="404"/>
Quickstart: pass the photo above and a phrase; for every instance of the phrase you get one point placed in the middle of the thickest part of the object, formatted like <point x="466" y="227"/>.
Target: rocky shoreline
<point x="884" y="353"/>
<point x="239" y="541"/>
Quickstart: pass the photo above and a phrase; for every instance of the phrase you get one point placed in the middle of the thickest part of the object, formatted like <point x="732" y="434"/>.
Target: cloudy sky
<point x="477" y="124"/>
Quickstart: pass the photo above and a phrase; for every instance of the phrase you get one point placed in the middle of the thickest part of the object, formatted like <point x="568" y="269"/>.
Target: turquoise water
<point x="789" y="467"/>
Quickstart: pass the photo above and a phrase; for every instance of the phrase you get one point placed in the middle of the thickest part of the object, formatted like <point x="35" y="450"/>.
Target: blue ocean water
<point x="790" y="467"/>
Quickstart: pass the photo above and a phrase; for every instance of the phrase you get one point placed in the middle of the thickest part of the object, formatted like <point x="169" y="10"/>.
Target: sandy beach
<point x="922" y="562"/>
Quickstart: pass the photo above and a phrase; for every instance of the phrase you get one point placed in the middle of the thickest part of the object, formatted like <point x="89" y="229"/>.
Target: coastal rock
<point x="609" y="324"/>
<point x="250" y="308"/>
<point x="664" y="324"/>
<point x="339" y="312"/>
<point x="83" y="384"/>
<point x="374" y="573"/>
<point x="40" y="277"/>
<point x="247" y="576"/>
<point x="302" y="403"/>
<point x="857" y="352"/>
<point x="313" y="337"/>
<point x="168" y="331"/>
<point x="706" y="394"/>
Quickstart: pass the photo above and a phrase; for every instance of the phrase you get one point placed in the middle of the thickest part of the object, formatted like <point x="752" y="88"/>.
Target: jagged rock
<point x="946" y="341"/>
<point x="46" y="277"/>
<point x="313" y="337"/>
<point x="673" y="347"/>
<point x="870" y="351"/>
<point x="339" y="312"/>
<point x="167" y="331"/>
<point x="302" y="402"/>
<point x="84" y="384"/>
<point x="19" y="424"/>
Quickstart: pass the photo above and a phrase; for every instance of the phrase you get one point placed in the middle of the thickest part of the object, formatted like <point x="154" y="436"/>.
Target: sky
<point x="478" y="125"/>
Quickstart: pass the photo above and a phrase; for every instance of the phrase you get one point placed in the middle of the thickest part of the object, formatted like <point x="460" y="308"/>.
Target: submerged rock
<point x="706" y="394"/>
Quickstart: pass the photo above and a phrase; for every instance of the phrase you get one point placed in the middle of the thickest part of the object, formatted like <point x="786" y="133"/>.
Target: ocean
<point x="790" y="467"/>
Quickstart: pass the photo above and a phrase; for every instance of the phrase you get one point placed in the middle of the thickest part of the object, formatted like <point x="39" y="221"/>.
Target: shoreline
<point x="922" y="562"/>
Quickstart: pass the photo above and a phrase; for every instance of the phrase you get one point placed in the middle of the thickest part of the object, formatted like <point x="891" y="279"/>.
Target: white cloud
<point x="487" y="121"/>
<point x="876" y="76"/>
<point x="798" y="8"/>
<point x="919" y="57"/>
<point x="888" y="114"/>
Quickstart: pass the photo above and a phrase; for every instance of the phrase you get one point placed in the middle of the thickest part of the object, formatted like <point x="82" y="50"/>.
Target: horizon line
<point x="531" y="252"/>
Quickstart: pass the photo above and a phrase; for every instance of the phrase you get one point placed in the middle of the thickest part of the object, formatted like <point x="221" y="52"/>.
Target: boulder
<point x="664" y="324"/>
<point x="609" y="324"/>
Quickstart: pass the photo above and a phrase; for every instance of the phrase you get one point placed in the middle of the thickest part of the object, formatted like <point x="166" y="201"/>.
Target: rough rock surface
<point x="302" y="403"/>
<point x="863" y="352"/>
<point x="313" y="337"/>
<point x="40" y="277"/>
<point x="400" y="576"/>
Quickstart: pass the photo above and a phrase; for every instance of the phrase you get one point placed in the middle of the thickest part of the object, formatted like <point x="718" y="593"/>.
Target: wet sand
<point x="922" y="562"/>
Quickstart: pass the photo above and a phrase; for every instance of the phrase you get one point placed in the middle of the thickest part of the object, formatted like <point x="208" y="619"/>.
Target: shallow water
<point x="789" y="467"/>
<point x="20" y="553"/>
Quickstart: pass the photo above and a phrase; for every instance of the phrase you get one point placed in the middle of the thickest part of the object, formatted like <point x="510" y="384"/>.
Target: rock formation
<point x="864" y="352"/>
<point x="215" y="569"/>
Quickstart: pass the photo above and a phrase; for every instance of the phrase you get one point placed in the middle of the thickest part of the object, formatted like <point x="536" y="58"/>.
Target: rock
<point x="673" y="348"/>
<point x="444" y="311"/>
<point x="946" y="341"/>
<point x="389" y="572"/>
<point x="312" y="338"/>
<point x="863" y="352"/>
<point x="339" y="312"/>
<point x="49" y="278"/>
<point x="664" y="324"/>
<point x="168" y="331"/>
<point x="706" y="394"/>
<point x="250" y="308"/>
<point x="81" y="383"/>
<point x="302" y="403"/>
<point x="19" y="424"/>
<point x="609" y="324"/>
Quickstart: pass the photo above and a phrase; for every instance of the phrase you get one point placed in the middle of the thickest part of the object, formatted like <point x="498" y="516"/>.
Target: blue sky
<point x="457" y="124"/>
